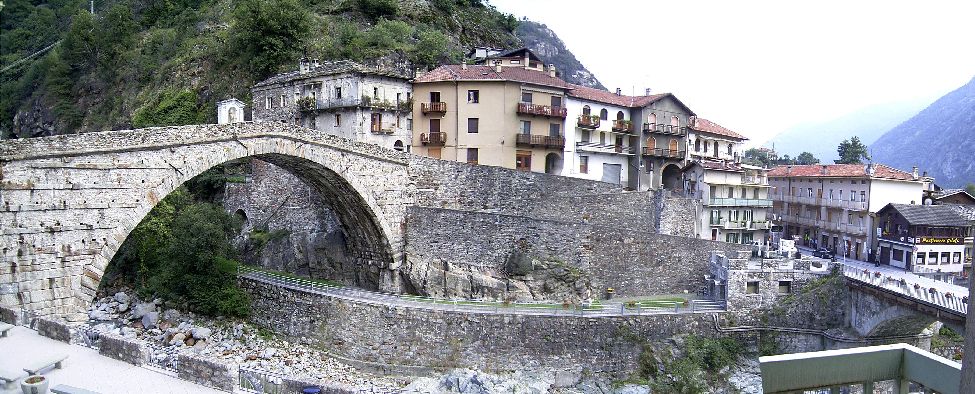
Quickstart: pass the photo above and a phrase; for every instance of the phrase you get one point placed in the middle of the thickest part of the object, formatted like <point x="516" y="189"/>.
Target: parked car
<point x="823" y="253"/>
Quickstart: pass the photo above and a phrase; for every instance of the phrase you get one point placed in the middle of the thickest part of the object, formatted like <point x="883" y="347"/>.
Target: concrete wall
<point x="383" y="336"/>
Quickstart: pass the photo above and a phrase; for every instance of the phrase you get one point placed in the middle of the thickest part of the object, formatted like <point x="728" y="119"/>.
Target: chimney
<point x="869" y="170"/>
<point x="463" y="65"/>
<point x="303" y="65"/>
<point x="825" y="167"/>
<point x="925" y="174"/>
<point x="528" y="60"/>
<point x="551" y="70"/>
<point x="497" y="66"/>
<point x="618" y="91"/>
<point x="788" y="169"/>
<point x="914" y="173"/>
<point x="647" y="92"/>
<point x="315" y="62"/>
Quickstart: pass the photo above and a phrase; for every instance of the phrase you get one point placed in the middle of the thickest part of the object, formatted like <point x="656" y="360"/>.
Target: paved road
<point x="898" y="273"/>
<point x="85" y="368"/>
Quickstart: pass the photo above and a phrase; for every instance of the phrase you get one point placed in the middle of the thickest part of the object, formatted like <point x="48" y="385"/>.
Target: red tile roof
<point x="602" y="96"/>
<point x="456" y="72"/>
<point x="719" y="165"/>
<point x="707" y="126"/>
<point x="840" y="171"/>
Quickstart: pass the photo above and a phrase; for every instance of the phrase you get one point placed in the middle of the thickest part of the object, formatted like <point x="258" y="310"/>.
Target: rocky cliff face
<point x="547" y="45"/>
<point x="940" y="140"/>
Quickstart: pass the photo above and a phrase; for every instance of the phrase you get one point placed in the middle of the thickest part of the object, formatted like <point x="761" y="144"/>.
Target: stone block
<point x="207" y="372"/>
<point x="54" y="328"/>
<point x="120" y="348"/>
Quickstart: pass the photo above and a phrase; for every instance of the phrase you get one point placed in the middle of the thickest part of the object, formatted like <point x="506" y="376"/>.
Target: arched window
<point x="715" y="149"/>
<point x="586" y="110"/>
<point x="697" y="145"/>
<point x="729" y="150"/>
<point x="619" y="115"/>
<point x="651" y="143"/>
<point x="674" y="121"/>
<point x="674" y="146"/>
<point x="652" y="118"/>
<point x="604" y="114"/>
<point x="232" y="115"/>
<point x="398" y="145"/>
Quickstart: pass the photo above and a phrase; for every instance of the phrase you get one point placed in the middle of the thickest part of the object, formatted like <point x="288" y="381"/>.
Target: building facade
<point x="344" y="98"/>
<point x="926" y="239"/>
<point x="734" y="198"/>
<point x="834" y="206"/>
<point x="230" y="111"/>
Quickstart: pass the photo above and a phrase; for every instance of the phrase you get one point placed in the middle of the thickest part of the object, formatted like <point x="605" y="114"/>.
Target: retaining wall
<point x="207" y="372"/>
<point x="129" y="350"/>
<point x="54" y="328"/>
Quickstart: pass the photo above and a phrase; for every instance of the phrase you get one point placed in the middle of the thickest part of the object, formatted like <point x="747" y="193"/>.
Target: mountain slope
<point x="940" y="140"/>
<point x="822" y="138"/>
<point x="547" y="45"/>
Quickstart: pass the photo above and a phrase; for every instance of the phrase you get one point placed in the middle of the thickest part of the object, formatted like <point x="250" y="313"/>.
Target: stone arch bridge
<point x="67" y="203"/>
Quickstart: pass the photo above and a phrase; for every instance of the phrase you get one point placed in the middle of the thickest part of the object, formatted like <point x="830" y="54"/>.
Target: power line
<point x="17" y="63"/>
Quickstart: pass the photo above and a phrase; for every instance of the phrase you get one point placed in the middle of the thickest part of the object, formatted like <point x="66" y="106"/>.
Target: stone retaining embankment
<point x="403" y="338"/>
<point x="120" y="348"/>
<point x="53" y="327"/>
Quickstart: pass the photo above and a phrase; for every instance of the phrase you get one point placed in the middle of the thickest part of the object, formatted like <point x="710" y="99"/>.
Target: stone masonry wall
<point x="207" y="372"/>
<point x="388" y="335"/>
<point x="120" y="348"/>
<point x="54" y="328"/>
<point x="475" y="247"/>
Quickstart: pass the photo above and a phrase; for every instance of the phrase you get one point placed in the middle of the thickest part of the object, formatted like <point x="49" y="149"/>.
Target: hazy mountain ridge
<point x="940" y="140"/>
<point x="822" y="138"/>
<point x="547" y="45"/>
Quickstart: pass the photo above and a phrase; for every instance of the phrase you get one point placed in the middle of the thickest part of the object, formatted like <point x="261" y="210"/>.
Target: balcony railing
<point x="739" y="202"/>
<point x="754" y="180"/>
<point x="825" y="202"/>
<point x="601" y="148"/>
<point x="588" y="121"/>
<point x="433" y="108"/>
<point x="433" y="139"/>
<point x="307" y="104"/>
<point x="667" y="153"/>
<point x="540" y="141"/>
<point x="624" y="126"/>
<point x="543" y="110"/>
<point x="735" y="225"/>
<point x="664" y="129"/>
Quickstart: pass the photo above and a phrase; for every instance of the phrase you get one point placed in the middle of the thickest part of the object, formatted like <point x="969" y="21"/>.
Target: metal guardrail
<point x="914" y="291"/>
<point x="593" y="309"/>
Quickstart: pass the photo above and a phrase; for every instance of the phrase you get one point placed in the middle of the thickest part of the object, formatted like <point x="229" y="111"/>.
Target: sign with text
<point x="938" y="240"/>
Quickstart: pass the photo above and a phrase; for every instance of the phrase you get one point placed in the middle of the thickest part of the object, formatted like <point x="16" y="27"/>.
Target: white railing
<point x="915" y="291"/>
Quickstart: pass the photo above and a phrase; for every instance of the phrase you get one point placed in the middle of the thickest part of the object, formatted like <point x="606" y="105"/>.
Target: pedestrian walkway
<point x="85" y="368"/>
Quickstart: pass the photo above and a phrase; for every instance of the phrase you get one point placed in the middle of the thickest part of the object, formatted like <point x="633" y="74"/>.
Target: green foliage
<point x="267" y="34"/>
<point x="430" y="48"/>
<point x="182" y="251"/>
<point x="260" y="237"/>
<point x="970" y="188"/>
<point x="757" y="157"/>
<point x="806" y="158"/>
<point x="379" y="8"/>
<point x="174" y="108"/>
<point x="852" y="151"/>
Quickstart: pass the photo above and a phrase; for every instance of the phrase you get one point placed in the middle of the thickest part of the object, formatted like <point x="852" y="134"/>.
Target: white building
<point x="735" y="200"/>
<point x="834" y="205"/>
<point x="230" y="111"/>
<point x="344" y="98"/>
<point x="600" y="144"/>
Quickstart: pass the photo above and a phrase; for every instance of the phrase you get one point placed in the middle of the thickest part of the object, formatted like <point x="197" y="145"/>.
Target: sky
<point x="761" y="67"/>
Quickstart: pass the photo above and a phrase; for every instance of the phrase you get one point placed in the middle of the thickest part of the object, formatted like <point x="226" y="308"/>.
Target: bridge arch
<point x="72" y="200"/>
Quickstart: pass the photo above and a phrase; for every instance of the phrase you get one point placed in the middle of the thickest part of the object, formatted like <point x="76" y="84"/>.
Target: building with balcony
<point x="709" y="140"/>
<point x="348" y="99"/>
<point x="926" y="239"/>
<point x="509" y="112"/>
<point x="834" y="205"/>
<point x="637" y="141"/>
<point x="735" y="202"/>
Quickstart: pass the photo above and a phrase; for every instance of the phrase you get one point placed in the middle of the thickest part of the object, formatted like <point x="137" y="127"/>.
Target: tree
<point x="757" y="157"/>
<point x="268" y="33"/>
<point x="431" y="47"/>
<point x="852" y="151"/>
<point x="806" y="158"/>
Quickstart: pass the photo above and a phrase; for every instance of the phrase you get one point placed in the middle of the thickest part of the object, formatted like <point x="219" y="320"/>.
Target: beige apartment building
<point x="834" y="206"/>
<point x="507" y="114"/>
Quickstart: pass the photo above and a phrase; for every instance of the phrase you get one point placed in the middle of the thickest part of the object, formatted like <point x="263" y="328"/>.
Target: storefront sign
<point x="938" y="240"/>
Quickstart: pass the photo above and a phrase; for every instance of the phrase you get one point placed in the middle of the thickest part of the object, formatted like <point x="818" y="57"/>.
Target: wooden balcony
<point x="433" y="108"/>
<point x="665" y="153"/>
<point x="664" y="129"/>
<point x="540" y="141"/>
<point x="542" y="110"/>
<point x="624" y="126"/>
<point x="433" y="139"/>
<point x="588" y="121"/>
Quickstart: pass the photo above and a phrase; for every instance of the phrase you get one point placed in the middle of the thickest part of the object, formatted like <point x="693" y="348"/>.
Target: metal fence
<point x="163" y="357"/>
<point x="87" y="336"/>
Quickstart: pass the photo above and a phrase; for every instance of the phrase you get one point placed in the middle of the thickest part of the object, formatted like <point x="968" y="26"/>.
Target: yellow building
<point x="509" y="114"/>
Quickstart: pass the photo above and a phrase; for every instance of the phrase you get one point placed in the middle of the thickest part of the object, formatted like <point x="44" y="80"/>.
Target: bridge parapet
<point x="945" y="301"/>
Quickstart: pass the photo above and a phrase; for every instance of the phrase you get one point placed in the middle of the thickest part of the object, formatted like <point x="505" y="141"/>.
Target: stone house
<point x="348" y="99"/>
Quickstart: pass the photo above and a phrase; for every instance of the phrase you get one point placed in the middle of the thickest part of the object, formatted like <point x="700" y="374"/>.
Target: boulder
<point x="150" y="319"/>
<point x="201" y="333"/>
<point x="140" y="310"/>
<point x="99" y="315"/>
<point x="268" y="353"/>
<point x="123" y="307"/>
<point x="177" y="339"/>
<point x="122" y="298"/>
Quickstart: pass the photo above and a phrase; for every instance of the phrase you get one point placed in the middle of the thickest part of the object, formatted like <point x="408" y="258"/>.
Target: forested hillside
<point x="152" y="62"/>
